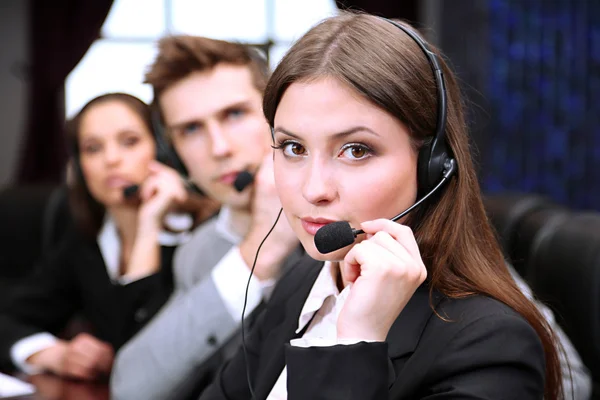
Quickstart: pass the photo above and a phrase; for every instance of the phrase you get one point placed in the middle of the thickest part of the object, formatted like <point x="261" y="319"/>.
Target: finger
<point x="180" y="194"/>
<point x="105" y="363"/>
<point x="88" y="346"/>
<point x="82" y="337"/>
<point x="360" y="259"/>
<point x="155" y="166"/>
<point x="149" y="188"/>
<point x="73" y="367"/>
<point x="95" y="354"/>
<point x="105" y="357"/>
<point x="401" y="233"/>
<point x="82" y="356"/>
<point x="385" y="240"/>
<point x="170" y="182"/>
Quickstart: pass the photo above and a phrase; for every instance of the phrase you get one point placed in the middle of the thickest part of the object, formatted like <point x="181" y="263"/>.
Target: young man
<point x="209" y="93"/>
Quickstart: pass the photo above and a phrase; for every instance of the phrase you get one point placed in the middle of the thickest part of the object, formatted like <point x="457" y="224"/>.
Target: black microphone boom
<point x="339" y="234"/>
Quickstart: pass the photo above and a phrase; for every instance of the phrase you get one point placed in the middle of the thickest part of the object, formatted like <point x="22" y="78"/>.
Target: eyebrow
<point x="194" y="120"/>
<point x="337" y="135"/>
<point x="96" y="136"/>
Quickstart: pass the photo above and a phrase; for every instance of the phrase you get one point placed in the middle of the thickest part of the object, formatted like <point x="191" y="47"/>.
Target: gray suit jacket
<point x="181" y="348"/>
<point x="162" y="360"/>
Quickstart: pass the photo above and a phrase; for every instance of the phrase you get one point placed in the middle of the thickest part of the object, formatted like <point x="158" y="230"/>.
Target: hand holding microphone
<point x="385" y="269"/>
<point x="340" y="234"/>
<point x="162" y="190"/>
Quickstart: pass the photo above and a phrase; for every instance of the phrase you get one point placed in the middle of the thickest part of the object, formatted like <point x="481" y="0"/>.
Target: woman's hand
<point x="84" y="357"/>
<point x="385" y="269"/>
<point x="161" y="191"/>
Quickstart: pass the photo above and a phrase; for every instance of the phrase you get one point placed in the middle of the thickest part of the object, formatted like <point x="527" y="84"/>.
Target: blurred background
<point x="531" y="70"/>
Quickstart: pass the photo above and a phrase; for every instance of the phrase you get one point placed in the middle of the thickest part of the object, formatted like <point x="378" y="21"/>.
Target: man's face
<point x="218" y="129"/>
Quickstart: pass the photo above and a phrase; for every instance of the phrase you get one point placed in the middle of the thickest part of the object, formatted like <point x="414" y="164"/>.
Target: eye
<point x="91" y="148"/>
<point x="296" y="148"/>
<point x="235" y="113"/>
<point x="130" y="141"/>
<point x="291" y="148"/>
<point x="356" y="151"/>
<point x="191" y="128"/>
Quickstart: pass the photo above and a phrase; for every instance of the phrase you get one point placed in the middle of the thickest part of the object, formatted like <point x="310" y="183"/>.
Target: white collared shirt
<point x="231" y="274"/>
<point x="323" y="306"/>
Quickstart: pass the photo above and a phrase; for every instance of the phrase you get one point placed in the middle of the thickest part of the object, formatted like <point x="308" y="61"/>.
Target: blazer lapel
<point x="408" y="327"/>
<point x="273" y="350"/>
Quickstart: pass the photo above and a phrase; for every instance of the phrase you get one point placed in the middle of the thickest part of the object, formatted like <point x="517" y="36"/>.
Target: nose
<point x="318" y="187"/>
<point x="221" y="145"/>
<point x="112" y="154"/>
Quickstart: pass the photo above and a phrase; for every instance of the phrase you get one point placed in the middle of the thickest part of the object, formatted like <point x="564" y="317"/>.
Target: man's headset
<point x="165" y="152"/>
<point x="435" y="166"/>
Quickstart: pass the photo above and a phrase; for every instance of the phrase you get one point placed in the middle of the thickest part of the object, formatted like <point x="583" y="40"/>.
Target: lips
<point x="228" y="178"/>
<point x="117" y="182"/>
<point x="312" y="225"/>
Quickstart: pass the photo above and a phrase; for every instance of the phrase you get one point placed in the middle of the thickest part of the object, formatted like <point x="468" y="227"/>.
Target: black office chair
<point x="529" y="228"/>
<point x="33" y="220"/>
<point x="21" y="214"/>
<point x="506" y="211"/>
<point x="564" y="272"/>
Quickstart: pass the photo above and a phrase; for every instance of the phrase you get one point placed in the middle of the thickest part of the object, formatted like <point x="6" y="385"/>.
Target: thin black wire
<point x="246" y="302"/>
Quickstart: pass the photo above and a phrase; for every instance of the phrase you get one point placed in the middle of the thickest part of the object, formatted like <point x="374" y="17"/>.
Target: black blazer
<point x="73" y="280"/>
<point x="481" y="349"/>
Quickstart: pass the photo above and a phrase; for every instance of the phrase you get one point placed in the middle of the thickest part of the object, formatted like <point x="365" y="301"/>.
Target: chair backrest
<point x="506" y="212"/>
<point x="21" y="214"/>
<point x="527" y="231"/>
<point x="564" y="272"/>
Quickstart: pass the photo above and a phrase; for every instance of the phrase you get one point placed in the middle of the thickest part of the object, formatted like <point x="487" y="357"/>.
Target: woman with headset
<point x="110" y="266"/>
<point x="367" y="121"/>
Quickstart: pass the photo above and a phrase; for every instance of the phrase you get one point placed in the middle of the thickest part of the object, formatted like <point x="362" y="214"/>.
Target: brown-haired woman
<point x="424" y="308"/>
<point x="110" y="268"/>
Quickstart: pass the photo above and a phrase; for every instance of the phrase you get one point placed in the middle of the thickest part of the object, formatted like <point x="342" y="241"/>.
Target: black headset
<point x="435" y="156"/>
<point x="435" y="166"/>
<point x="164" y="152"/>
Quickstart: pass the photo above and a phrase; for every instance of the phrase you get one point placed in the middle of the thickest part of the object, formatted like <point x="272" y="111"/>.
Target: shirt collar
<point x="224" y="226"/>
<point x="325" y="286"/>
<point x="110" y="245"/>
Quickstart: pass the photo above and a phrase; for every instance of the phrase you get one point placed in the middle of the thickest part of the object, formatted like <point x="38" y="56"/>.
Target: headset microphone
<point x="339" y="234"/>
<point x="243" y="179"/>
<point x="130" y="191"/>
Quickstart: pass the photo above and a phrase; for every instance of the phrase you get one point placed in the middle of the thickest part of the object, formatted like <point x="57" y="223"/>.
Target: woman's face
<point x="115" y="148"/>
<point x="340" y="158"/>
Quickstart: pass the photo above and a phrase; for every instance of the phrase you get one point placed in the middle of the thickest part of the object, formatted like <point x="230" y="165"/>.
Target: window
<point x="117" y="61"/>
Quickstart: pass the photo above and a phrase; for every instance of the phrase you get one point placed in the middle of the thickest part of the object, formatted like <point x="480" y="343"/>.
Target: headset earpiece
<point x="431" y="165"/>
<point x="165" y="153"/>
<point x="435" y="154"/>
<point x="164" y="150"/>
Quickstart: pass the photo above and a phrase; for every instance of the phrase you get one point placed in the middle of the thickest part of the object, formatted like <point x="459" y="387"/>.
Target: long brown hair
<point x="86" y="211"/>
<point x="387" y="67"/>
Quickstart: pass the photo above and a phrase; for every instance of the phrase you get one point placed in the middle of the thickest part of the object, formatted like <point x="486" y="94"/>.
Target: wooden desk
<point x="50" y="387"/>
